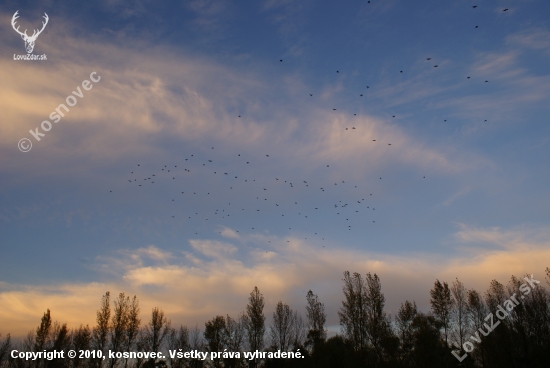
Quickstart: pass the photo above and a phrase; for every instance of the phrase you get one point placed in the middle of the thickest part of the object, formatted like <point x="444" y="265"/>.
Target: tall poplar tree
<point x="100" y="334"/>
<point x="353" y="313"/>
<point x="442" y="306"/>
<point x="255" y="322"/>
<point x="119" y="326"/>
<point x="316" y="320"/>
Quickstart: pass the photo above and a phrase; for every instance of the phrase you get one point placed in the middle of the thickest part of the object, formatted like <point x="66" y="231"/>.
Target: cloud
<point x="154" y="253"/>
<point x="512" y="239"/>
<point x="534" y="38"/>
<point x="216" y="279"/>
<point x="213" y="249"/>
<point x="456" y="195"/>
<point x="229" y="233"/>
<point x="168" y="95"/>
<point x="494" y="64"/>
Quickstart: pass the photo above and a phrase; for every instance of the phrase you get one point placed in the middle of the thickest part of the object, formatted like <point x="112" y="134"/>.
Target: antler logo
<point x="29" y="40"/>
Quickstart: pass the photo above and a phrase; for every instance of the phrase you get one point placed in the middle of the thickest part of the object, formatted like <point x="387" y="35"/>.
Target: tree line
<point x="507" y="326"/>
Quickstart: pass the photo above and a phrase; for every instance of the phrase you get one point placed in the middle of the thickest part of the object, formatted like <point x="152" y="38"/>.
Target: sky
<point x="224" y="145"/>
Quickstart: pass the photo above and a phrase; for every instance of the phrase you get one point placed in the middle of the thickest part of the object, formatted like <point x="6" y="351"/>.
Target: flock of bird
<point x="205" y="179"/>
<point x="275" y="196"/>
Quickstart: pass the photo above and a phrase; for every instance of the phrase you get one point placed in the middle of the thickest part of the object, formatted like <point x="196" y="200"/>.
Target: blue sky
<point x="444" y="176"/>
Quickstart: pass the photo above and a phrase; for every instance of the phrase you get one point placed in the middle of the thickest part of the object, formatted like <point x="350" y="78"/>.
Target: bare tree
<point x="460" y="314"/>
<point x="155" y="333"/>
<point x="353" y="313"/>
<point x="495" y="295"/>
<point x="196" y="342"/>
<point x="42" y="336"/>
<point x="119" y="326"/>
<point x="43" y="332"/>
<point x="281" y="327"/>
<point x="477" y="311"/>
<point x="377" y="321"/>
<point x="80" y="340"/>
<point x="61" y="341"/>
<point x="442" y="306"/>
<point x="255" y="322"/>
<point x="299" y="331"/>
<point x="28" y="342"/>
<point x="316" y="319"/>
<point x="178" y="339"/>
<point x="500" y="343"/>
<point x="5" y="346"/>
<point x="100" y="334"/>
<point x="234" y="334"/>
<point x="214" y="336"/>
<point x="132" y="329"/>
<point x="404" y="321"/>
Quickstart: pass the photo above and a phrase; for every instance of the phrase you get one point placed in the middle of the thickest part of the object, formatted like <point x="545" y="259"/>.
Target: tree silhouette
<point x="442" y="307"/>
<point x="132" y="327"/>
<point x="521" y="338"/>
<point x="119" y="326"/>
<point x="255" y="323"/>
<point x="100" y="334"/>
<point x="316" y="320"/>
<point x="353" y="313"/>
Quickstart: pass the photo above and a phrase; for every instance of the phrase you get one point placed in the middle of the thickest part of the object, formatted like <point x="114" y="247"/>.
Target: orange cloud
<point x="217" y="279"/>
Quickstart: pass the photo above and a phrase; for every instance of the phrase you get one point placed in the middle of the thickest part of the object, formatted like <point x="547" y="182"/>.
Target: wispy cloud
<point x="215" y="279"/>
<point x="457" y="195"/>
<point x="144" y="96"/>
<point x="535" y="38"/>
